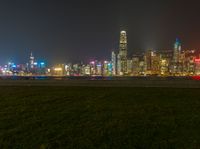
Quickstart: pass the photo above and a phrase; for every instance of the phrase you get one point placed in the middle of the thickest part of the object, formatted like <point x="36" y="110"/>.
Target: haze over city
<point x="64" y="31"/>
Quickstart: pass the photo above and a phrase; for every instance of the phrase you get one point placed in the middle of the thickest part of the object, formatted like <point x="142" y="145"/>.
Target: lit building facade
<point x="197" y="66"/>
<point x="176" y="62"/>
<point x="114" y="63"/>
<point x="173" y="62"/>
<point x="31" y="61"/>
<point x="99" y="69"/>
<point x="130" y="67"/>
<point x="135" y="65"/>
<point x="164" y="67"/>
<point x="122" y="56"/>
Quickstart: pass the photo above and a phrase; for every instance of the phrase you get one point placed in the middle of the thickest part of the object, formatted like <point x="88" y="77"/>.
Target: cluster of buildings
<point x="30" y="68"/>
<point x="175" y="62"/>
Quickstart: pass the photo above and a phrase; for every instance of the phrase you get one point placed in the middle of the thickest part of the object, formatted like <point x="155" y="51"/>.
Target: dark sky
<point x="60" y="31"/>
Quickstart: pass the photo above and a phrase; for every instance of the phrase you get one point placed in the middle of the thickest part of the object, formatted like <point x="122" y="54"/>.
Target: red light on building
<point x="197" y="60"/>
<point x="196" y="78"/>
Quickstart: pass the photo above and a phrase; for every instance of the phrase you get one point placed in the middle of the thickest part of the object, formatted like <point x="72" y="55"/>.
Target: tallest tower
<point x="122" y="56"/>
<point x="123" y="45"/>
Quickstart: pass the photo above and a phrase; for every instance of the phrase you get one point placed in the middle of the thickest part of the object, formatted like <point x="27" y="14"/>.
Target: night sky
<point x="59" y="31"/>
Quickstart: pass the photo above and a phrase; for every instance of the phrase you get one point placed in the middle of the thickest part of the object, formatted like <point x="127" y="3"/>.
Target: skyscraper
<point x="123" y="45"/>
<point x="177" y="51"/>
<point x="114" y="61"/>
<point x="176" y="61"/>
<point x="31" y="61"/>
<point x="152" y="60"/>
<point x="122" y="56"/>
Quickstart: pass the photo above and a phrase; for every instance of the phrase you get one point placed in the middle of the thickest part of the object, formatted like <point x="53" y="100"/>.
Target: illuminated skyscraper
<point x="148" y="60"/>
<point x="177" y="51"/>
<point x="114" y="63"/>
<point x="122" y="56"/>
<point x="31" y="61"/>
<point x="176" y="62"/>
<point x="123" y="45"/>
<point x="135" y="62"/>
<point x="152" y="60"/>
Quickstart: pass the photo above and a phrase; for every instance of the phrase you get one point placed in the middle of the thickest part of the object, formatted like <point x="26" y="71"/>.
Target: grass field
<point x="86" y="118"/>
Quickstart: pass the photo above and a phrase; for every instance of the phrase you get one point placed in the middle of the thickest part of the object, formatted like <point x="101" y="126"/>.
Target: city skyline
<point x="176" y="62"/>
<point x="58" y="31"/>
<point x="129" y="53"/>
<point x="94" y="74"/>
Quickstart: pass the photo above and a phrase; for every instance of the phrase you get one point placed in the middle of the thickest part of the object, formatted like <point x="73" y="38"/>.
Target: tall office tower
<point x="176" y="66"/>
<point x="114" y="63"/>
<point x="31" y="61"/>
<point x="148" y="61"/>
<point x="135" y="62"/>
<point x="177" y="51"/>
<point x="152" y="62"/>
<point x="130" y="67"/>
<point x="123" y="45"/>
<point x="122" y="56"/>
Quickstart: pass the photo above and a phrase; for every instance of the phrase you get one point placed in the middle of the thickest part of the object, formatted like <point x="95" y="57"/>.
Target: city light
<point x="92" y="62"/>
<point x="197" y="60"/>
<point x="174" y="62"/>
<point x="58" y="69"/>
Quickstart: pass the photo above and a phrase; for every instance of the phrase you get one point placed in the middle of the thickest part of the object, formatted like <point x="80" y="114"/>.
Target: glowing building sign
<point x="197" y="60"/>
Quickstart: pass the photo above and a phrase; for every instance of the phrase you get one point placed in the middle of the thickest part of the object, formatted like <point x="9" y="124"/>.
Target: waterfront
<point x="175" y="82"/>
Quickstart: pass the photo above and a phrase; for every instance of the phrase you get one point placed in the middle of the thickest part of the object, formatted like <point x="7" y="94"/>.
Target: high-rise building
<point x="31" y="61"/>
<point x="114" y="63"/>
<point x="176" y="61"/>
<point x="107" y="68"/>
<point x="166" y="57"/>
<point x="142" y="68"/>
<point x="93" y="67"/>
<point x="130" y="67"/>
<point x="148" y="61"/>
<point x="86" y="70"/>
<point x="189" y="66"/>
<point x="155" y="64"/>
<point x="123" y="45"/>
<point x="197" y="66"/>
<point x="164" y="67"/>
<point x="136" y="62"/>
<point x="177" y="51"/>
<point x="152" y="61"/>
<point x="99" y="69"/>
<point x="122" y="56"/>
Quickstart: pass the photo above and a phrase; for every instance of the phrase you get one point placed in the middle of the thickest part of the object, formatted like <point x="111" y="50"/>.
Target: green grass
<point x="86" y="118"/>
